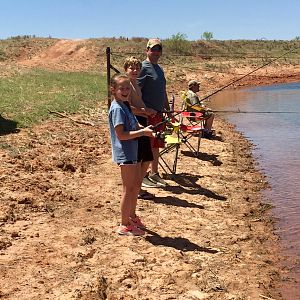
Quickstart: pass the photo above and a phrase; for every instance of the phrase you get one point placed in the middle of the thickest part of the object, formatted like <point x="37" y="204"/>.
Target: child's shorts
<point x="144" y="149"/>
<point x="157" y="142"/>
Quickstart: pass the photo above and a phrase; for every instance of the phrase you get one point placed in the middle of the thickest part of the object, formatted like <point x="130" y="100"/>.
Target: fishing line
<point x="234" y="81"/>
<point x="227" y="85"/>
<point x="256" y="112"/>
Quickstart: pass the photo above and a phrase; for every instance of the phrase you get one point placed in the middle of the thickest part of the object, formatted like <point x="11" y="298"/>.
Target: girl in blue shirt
<point x="124" y="131"/>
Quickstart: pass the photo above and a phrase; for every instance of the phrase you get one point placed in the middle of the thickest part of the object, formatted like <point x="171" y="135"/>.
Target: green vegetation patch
<point x="27" y="98"/>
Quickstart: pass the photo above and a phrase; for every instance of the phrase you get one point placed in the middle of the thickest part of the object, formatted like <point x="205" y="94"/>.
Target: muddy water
<point x="276" y="136"/>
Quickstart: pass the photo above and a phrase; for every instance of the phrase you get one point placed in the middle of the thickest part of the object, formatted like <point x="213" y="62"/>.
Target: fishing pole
<point x="236" y="80"/>
<point x="256" y="112"/>
<point x="225" y="86"/>
<point x="166" y="120"/>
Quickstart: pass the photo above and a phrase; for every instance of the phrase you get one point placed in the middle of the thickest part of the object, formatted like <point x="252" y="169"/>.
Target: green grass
<point x="27" y="98"/>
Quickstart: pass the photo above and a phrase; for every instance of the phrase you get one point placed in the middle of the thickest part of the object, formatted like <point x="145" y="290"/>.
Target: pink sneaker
<point x="137" y="222"/>
<point x="130" y="230"/>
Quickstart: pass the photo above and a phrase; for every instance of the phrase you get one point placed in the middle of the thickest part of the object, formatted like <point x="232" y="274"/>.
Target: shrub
<point x="178" y="44"/>
<point x="207" y="35"/>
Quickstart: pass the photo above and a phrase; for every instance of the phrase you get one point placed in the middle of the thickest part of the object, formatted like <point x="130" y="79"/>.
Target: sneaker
<point x="137" y="222"/>
<point x="146" y="195"/>
<point x="207" y="135"/>
<point x="130" y="230"/>
<point x="148" y="183"/>
<point x="157" y="179"/>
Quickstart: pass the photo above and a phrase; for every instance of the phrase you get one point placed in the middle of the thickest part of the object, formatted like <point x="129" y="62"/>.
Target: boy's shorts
<point x="157" y="142"/>
<point x="144" y="149"/>
<point x="144" y="143"/>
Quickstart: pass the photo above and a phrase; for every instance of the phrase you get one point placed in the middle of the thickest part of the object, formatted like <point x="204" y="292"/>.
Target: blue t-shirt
<point x="126" y="150"/>
<point x="152" y="82"/>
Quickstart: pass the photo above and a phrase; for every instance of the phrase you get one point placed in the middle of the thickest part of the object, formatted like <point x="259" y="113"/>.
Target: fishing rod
<point x="256" y="112"/>
<point x="166" y="120"/>
<point x="236" y="80"/>
<point x="224" y="87"/>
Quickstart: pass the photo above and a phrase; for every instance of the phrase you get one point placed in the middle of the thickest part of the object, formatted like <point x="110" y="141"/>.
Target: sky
<point x="83" y="19"/>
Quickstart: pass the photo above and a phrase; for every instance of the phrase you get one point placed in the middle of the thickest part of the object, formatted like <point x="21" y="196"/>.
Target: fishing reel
<point x="161" y="134"/>
<point x="163" y="129"/>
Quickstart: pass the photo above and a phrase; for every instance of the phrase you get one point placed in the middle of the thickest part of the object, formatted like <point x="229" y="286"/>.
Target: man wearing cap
<point x="152" y="82"/>
<point x="193" y="103"/>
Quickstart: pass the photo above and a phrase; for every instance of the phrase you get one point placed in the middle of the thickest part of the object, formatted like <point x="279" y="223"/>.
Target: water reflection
<point x="276" y="134"/>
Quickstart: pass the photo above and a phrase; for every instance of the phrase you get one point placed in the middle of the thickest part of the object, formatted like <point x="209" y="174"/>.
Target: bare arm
<point x="129" y="135"/>
<point x="137" y="105"/>
<point x="143" y="111"/>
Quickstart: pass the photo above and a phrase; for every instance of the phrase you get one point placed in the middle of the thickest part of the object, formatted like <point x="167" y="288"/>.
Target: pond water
<point x="275" y="131"/>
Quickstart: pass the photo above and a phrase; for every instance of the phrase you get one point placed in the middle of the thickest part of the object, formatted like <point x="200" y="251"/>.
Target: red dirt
<point x="210" y="236"/>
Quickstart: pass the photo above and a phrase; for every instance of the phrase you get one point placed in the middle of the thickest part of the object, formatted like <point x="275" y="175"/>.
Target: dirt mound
<point x="89" y="55"/>
<point x="67" y="55"/>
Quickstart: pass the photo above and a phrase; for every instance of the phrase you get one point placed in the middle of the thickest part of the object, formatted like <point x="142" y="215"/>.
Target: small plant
<point x="207" y="35"/>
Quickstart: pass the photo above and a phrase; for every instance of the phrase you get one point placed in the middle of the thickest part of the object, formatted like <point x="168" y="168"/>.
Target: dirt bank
<point x="209" y="234"/>
<point x="208" y="238"/>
